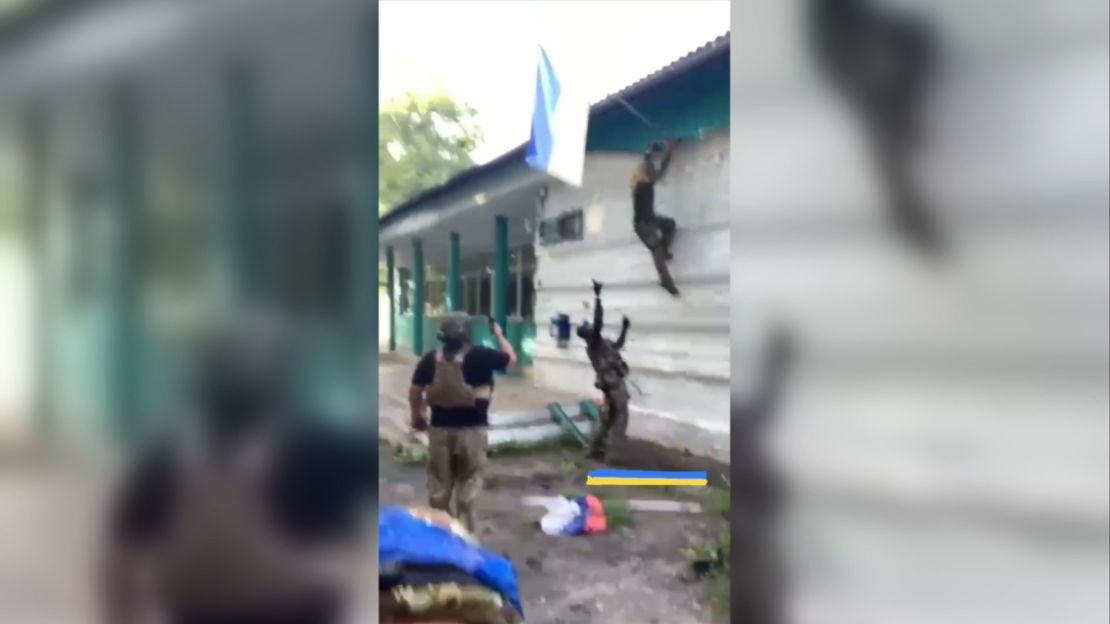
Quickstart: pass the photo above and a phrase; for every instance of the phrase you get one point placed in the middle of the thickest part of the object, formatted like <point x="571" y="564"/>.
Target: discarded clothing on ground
<point x="584" y="515"/>
<point x="467" y="604"/>
<point x="422" y="545"/>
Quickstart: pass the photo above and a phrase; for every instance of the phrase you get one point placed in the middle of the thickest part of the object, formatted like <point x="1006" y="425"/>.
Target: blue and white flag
<point x="559" y="121"/>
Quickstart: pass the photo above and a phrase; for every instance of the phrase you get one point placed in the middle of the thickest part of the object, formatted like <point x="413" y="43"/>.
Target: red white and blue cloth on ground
<point x="584" y="515"/>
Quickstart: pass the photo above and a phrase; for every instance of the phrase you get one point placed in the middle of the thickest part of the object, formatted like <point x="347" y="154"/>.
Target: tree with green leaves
<point x="423" y="140"/>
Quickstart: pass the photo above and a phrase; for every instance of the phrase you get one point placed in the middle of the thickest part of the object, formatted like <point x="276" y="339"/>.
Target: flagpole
<point x="624" y="102"/>
<point x="633" y="110"/>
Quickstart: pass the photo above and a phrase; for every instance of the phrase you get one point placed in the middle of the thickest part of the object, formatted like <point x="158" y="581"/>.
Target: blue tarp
<point x="404" y="538"/>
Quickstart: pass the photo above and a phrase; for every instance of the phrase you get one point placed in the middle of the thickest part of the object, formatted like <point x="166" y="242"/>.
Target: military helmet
<point x="455" y="328"/>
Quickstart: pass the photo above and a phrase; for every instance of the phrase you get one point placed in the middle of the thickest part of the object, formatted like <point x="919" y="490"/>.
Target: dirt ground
<point x="634" y="574"/>
<point x="49" y="521"/>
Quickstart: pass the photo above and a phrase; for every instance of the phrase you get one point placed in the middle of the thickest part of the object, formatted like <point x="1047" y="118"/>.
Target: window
<point x="470" y="294"/>
<point x="478" y="278"/>
<point x="435" y="296"/>
<point x="474" y="288"/>
<point x="528" y="301"/>
<point x="570" y="226"/>
<point x="514" y="298"/>
<point x="565" y="227"/>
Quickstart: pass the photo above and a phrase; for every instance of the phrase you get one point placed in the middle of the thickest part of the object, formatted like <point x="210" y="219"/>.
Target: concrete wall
<point x="678" y="348"/>
<point x="946" y="433"/>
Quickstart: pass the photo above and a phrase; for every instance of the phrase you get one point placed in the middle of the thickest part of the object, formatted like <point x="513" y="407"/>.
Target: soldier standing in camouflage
<point x="456" y="382"/>
<point x="611" y="371"/>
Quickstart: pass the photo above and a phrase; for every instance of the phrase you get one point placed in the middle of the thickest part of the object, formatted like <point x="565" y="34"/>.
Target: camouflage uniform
<point x="655" y="231"/>
<point x="452" y="602"/>
<point x="456" y="459"/>
<point x="611" y="371"/>
<point x="610" y="380"/>
<point x="456" y="455"/>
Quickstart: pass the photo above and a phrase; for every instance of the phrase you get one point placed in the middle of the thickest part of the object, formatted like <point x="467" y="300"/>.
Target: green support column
<point x="417" y="297"/>
<point x="127" y="173"/>
<point x="35" y="163"/>
<point x="389" y="272"/>
<point x="245" y="239"/>
<point x="454" y="276"/>
<point x="364" y="233"/>
<point x="501" y="271"/>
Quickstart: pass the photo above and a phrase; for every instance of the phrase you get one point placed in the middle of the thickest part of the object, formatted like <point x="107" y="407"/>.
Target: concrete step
<point x="512" y="427"/>
<point x="666" y="506"/>
<point x="531" y="434"/>
<point x="521" y="418"/>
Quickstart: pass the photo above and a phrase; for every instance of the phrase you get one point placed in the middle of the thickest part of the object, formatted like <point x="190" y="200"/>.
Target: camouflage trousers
<point x="614" y="420"/>
<point x="456" y="459"/>
<point x="658" y="235"/>
<point x="447" y="602"/>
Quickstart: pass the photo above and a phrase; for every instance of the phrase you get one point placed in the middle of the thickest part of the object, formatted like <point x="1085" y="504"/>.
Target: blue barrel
<point x="560" y="329"/>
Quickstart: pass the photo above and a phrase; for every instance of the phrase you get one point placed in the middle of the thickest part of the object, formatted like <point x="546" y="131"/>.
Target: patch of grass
<point x="571" y="464"/>
<point x="509" y="449"/>
<point x="720" y="502"/>
<point x="617" y="513"/>
<point x="410" y="455"/>
<point x="720" y="595"/>
<point x="705" y="553"/>
<point x="710" y="560"/>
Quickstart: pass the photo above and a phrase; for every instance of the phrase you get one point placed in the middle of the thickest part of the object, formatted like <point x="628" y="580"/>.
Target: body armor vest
<point x="609" y="366"/>
<point x="449" y="387"/>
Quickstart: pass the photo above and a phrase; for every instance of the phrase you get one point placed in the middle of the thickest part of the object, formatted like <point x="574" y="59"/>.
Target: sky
<point x="484" y="53"/>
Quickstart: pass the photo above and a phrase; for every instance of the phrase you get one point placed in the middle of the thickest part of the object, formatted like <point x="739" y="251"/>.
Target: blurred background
<point x="162" y="163"/>
<point x="920" y="196"/>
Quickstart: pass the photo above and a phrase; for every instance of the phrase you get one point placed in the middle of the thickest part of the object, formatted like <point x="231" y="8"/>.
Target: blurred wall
<point x="161" y="124"/>
<point x="946" y="431"/>
<point x="16" y="326"/>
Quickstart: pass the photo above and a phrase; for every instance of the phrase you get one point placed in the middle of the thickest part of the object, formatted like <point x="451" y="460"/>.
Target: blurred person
<point x="456" y="382"/>
<point x="882" y="63"/>
<point x="654" y="230"/>
<point x="612" y="370"/>
<point x="756" y="489"/>
<point x="946" y="416"/>
<point x="249" y="514"/>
